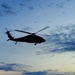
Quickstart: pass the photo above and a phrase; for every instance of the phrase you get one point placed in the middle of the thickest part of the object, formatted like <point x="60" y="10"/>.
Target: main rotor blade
<point x="42" y="29"/>
<point x="22" y="31"/>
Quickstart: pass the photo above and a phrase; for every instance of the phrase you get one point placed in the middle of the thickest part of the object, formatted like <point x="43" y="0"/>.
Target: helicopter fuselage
<point x="30" y="39"/>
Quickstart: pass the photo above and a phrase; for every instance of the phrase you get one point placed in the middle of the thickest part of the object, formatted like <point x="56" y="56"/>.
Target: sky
<point x="54" y="57"/>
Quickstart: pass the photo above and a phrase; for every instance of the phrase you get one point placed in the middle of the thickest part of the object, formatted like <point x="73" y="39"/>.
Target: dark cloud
<point x="47" y="73"/>
<point x="6" y="6"/>
<point x="41" y="73"/>
<point x="13" y="67"/>
<point x="31" y="7"/>
<point x="9" y="12"/>
<point x="6" y="9"/>
<point x="62" y="40"/>
<point x="22" y="4"/>
<point x="36" y="73"/>
<point x="21" y="68"/>
<point x="13" y="6"/>
<point x="60" y="5"/>
<point x="27" y="28"/>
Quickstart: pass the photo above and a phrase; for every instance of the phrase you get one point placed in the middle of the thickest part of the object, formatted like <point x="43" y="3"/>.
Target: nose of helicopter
<point x="43" y="40"/>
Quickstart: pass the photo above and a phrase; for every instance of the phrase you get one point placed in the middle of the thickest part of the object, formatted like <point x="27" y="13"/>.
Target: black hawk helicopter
<point x="31" y="38"/>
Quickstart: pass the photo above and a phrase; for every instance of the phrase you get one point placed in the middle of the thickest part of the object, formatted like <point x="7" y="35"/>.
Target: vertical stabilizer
<point x="9" y="35"/>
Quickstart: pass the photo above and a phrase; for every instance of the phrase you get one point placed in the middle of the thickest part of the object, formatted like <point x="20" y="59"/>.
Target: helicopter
<point x="30" y="38"/>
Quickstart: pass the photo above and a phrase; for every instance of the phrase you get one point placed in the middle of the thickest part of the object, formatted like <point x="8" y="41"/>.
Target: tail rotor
<point x="9" y="35"/>
<point x="7" y="30"/>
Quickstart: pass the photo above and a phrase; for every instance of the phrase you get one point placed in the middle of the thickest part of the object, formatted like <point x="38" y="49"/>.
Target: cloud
<point x="35" y="73"/>
<point x="6" y="6"/>
<point x="62" y="40"/>
<point x="16" y="6"/>
<point x="13" y="67"/>
<point x="13" y="6"/>
<point x="60" y="5"/>
<point x="19" y="69"/>
<point x="30" y="7"/>
<point x="26" y="28"/>
<point x="7" y="9"/>
<point x="48" y="72"/>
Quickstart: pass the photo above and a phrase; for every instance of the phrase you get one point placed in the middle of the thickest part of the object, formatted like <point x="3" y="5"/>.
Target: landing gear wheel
<point x="35" y="44"/>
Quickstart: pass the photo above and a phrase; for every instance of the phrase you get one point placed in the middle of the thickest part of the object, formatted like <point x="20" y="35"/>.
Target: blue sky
<point x="54" y="57"/>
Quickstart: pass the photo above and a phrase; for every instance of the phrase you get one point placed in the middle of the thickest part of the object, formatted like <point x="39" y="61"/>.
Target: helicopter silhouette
<point x="30" y="38"/>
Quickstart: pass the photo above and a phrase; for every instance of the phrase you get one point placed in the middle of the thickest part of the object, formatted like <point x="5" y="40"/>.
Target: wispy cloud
<point x="13" y="6"/>
<point x="6" y="6"/>
<point x="35" y="73"/>
<point x="27" y="28"/>
<point x="7" y="9"/>
<point x="19" y="69"/>
<point x="47" y="72"/>
<point x="13" y="67"/>
<point x="62" y="40"/>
